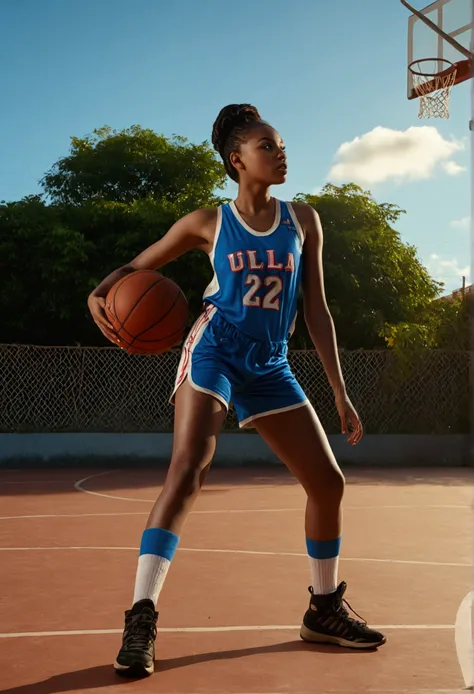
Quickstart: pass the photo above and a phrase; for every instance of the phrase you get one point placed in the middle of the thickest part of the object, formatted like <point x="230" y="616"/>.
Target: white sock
<point x="157" y="549"/>
<point x="150" y="577"/>
<point x="324" y="563"/>
<point x="324" y="575"/>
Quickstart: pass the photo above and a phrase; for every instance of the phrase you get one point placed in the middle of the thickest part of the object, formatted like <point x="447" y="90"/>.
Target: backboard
<point x="454" y="18"/>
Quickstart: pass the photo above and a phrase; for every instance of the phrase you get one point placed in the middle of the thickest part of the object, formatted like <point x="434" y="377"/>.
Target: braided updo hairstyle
<point x="229" y="130"/>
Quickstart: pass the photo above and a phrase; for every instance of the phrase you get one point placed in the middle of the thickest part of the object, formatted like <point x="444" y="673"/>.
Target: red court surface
<point x="233" y="601"/>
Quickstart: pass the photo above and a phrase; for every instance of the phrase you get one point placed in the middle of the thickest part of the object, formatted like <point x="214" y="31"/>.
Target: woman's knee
<point x="186" y="474"/>
<point x="328" y="485"/>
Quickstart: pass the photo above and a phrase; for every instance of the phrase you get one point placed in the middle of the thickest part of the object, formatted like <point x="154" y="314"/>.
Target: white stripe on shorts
<point x="184" y="367"/>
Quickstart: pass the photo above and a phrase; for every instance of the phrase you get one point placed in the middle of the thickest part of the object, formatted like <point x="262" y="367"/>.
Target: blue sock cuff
<point x="161" y="542"/>
<point x="325" y="549"/>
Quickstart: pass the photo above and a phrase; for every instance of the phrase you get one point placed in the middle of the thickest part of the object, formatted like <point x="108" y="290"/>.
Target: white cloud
<point x="463" y="223"/>
<point x="384" y="154"/>
<point x="452" y="168"/>
<point x="449" y="271"/>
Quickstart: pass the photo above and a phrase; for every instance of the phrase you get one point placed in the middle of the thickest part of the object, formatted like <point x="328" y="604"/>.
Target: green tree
<point x="113" y="195"/>
<point x="372" y="277"/>
<point x="44" y="276"/>
<point x="133" y="164"/>
<point x="118" y="192"/>
<point x="119" y="231"/>
<point x="444" y="324"/>
<point x="51" y="257"/>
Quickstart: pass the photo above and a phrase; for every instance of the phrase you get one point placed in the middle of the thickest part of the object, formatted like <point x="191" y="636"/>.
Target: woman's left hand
<point x="350" y="420"/>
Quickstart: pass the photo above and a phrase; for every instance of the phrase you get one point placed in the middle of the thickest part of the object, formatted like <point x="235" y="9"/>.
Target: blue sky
<point x="323" y="73"/>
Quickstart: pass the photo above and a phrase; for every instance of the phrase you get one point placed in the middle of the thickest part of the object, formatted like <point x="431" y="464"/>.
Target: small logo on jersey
<point x="289" y="224"/>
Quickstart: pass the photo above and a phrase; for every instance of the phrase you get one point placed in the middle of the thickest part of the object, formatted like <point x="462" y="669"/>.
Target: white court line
<point x="212" y="512"/>
<point x="216" y="511"/>
<point x="79" y="486"/>
<point x="464" y="638"/>
<point x="235" y="551"/>
<point x="75" y="515"/>
<point x="342" y="558"/>
<point x="203" y="630"/>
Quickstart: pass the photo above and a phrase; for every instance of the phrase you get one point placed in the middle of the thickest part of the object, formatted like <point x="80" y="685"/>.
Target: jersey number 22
<point x="271" y="298"/>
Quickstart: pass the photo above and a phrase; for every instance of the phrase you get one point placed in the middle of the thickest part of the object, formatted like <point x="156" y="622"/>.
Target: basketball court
<point x="231" y="609"/>
<point x="237" y="589"/>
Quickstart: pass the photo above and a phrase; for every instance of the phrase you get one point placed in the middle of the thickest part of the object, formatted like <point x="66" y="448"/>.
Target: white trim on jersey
<point x="213" y="285"/>
<point x="274" y="227"/>
<point x="298" y="226"/>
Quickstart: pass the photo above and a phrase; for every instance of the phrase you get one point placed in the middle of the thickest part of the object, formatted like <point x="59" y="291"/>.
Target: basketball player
<point x="263" y="250"/>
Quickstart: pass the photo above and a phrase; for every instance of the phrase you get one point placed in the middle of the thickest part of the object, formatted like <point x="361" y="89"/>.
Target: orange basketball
<point x="148" y="312"/>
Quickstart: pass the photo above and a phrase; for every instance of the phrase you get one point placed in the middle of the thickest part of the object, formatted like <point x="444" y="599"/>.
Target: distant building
<point x="468" y="293"/>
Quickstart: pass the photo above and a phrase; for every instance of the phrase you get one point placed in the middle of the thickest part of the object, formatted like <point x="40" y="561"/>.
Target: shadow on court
<point x="104" y="675"/>
<point x="48" y="481"/>
<point x="39" y="481"/>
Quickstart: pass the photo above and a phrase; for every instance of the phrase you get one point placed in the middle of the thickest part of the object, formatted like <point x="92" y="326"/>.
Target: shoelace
<point x="139" y="628"/>
<point x="341" y="608"/>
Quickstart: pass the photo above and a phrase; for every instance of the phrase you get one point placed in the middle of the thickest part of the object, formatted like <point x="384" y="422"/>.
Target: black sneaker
<point x="136" y="658"/>
<point x="327" y="621"/>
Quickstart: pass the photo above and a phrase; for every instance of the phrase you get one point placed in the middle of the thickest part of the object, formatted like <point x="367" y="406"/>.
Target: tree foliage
<point x="444" y="324"/>
<point x="44" y="274"/>
<point x="135" y="164"/>
<point x="112" y="196"/>
<point x="115" y="193"/>
<point x="372" y="277"/>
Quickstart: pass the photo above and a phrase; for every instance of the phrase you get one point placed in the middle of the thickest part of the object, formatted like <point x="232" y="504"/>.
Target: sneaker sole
<point x="136" y="670"/>
<point x="315" y="637"/>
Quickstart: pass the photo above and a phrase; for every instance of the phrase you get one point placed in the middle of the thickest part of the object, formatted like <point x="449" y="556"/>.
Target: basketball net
<point x="433" y="87"/>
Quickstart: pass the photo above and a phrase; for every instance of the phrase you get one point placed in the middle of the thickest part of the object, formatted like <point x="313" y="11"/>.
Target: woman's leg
<point x="198" y="420"/>
<point x="298" y="439"/>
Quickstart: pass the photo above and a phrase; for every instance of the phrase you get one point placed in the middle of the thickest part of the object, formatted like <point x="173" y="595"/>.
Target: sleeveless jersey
<point x="257" y="275"/>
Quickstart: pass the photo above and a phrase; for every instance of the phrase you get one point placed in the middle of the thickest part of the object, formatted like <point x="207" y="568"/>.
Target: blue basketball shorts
<point x="218" y="359"/>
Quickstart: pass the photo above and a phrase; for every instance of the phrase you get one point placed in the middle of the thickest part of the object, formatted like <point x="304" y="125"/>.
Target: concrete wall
<point x="31" y="450"/>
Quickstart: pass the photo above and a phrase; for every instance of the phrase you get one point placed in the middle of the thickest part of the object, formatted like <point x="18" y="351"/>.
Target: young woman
<point x="262" y="250"/>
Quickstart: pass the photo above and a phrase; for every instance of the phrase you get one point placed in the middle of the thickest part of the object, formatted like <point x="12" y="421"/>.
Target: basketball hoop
<point x="432" y="86"/>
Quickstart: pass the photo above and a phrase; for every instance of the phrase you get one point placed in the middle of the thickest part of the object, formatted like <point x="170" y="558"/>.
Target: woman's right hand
<point x="96" y="306"/>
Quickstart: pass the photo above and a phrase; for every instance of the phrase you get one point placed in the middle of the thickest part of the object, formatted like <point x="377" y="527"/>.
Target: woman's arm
<point x="195" y="230"/>
<point x="319" y="320"/>
<point x="316" y="312"/>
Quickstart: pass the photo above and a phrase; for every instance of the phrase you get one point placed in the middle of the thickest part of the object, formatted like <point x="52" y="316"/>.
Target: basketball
<point x="148" y="311"/>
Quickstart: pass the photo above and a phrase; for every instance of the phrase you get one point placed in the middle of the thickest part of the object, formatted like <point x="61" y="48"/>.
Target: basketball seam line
<point x="160" y="339"/>
<point x="160" y="279"/>
<point x="122" y="324"/>
<point x="118" y="285"/>
<point x="160" y="319"/>
<point x="144" y="342"/>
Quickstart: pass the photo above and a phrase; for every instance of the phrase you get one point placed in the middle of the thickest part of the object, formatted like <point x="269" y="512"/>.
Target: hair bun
<point x="230" y="117"/>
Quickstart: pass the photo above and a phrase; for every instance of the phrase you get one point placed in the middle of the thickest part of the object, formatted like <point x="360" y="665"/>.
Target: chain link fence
<point x="67" y="389"/>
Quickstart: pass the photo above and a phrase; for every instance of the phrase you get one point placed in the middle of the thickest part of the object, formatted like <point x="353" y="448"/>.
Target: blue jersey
<point x="257" y="275"/>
